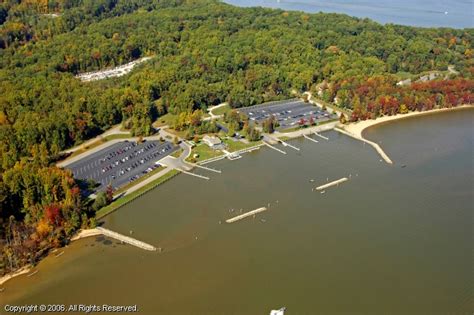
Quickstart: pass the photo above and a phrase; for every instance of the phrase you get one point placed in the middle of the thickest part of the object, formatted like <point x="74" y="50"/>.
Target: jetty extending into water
<point x="120" y="237"/>
<point x="247" y="214"/>
<point x="373" y="144"/>
<point x="334" y="183"/>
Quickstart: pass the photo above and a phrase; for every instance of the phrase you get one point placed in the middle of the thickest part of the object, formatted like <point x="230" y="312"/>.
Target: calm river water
<point x="392" y="240"/>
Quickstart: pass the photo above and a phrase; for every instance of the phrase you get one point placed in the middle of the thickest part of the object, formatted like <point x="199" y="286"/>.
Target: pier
<point x="321" y="136"/>
<point x="286" y="144"/>
<point x="125" y="239"/>
<point x="276" y="149"/>
<point x="247" y="214"/>
<point x="206" y="168"/>
<point x="310" y="139"/>
<point x="334" y="183"/>
<point x="373" y="144"/>
<point x="192" y="174"/>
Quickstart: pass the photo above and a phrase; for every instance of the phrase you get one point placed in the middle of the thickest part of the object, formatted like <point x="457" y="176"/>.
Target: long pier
<point x="373" y="144"/>
<point x="310" y="139"/>
<point x="247" y="214"/>
<point x="192" y="174"/>
<point x="276" y="149"/>
<point x="286" y="144"/>
<point x="126" y="239"/>
<point x="206" y="168"/>
<point x="321" y="136"/>
<point x="334" y="183"/>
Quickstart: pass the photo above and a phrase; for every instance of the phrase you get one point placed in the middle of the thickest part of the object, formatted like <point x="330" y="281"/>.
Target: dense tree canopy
<point x="204" y="53"/>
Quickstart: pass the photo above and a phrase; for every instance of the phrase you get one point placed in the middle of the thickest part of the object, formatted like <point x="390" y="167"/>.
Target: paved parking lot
<point x="288" y="113"/>
<point x="121" y="163"/>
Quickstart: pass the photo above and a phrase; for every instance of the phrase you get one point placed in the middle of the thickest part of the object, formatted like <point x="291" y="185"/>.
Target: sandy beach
<point x="357" y="128"/>
<point x="24" y="270"/>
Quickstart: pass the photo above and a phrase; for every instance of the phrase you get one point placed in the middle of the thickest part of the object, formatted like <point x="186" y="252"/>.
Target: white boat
<point x="281" y="311"/>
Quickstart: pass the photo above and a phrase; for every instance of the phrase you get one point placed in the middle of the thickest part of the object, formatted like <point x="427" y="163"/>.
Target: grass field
<point x="164" y="120"/>
<point x="204" y="153"/>
<point x="221" y="110"/>
<point x="117" y="136"/>
<point x="239" y="145"/>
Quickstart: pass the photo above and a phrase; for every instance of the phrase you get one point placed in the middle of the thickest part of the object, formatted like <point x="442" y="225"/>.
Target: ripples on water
<point x="437" y="13"/>
<point x="390" y="239"/>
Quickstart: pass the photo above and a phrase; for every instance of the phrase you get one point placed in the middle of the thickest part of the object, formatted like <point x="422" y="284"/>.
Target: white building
<point x="213" y="141"/>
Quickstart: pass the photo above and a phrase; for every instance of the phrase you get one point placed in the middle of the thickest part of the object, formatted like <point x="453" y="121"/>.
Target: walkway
<point x="373" y="144"/>
<point x="120" y="237"/>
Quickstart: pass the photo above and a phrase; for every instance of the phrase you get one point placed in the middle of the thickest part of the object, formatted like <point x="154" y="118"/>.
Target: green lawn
<point x="204" y="152"/>
<point x="221" y="110"/>
<point x="166" y="119"/>
<point x="124" y="200"/>
<point x="177" y="153"/>
<point x="117" y="136"/>
<point x="239" y="145"/>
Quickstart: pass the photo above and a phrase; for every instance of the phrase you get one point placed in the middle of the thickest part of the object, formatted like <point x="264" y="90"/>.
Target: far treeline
<point x="204" y="53"/>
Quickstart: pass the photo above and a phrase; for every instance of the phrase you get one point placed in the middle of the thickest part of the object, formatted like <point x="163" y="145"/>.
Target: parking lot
<point x="288" y="113"/>
<point x="121" y="163"/>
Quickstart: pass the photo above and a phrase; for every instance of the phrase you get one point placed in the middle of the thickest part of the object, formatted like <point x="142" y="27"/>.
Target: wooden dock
<point x="247" y="214"/>
<point x="334" y="183"/>
<point x="126" y="239"/>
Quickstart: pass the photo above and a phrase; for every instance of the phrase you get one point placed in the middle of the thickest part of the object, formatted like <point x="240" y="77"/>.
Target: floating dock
<point x="310" y="139"/>
<point x="247" y="214"/>
<point x="276" y="149"/>
<point x="192" y="174"/>
<point x="334" y="183"/>
<point x="286" y="144"/>
<point x="206" y="168"/>
<point x="126" y="239"/>
<point x="321" y="136"/>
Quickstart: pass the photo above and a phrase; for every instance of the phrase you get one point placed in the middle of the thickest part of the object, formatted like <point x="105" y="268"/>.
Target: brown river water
<point x="391" y="240"/>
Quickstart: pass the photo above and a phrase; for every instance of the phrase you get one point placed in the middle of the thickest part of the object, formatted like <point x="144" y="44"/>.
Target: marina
<point x="307" y="238"/>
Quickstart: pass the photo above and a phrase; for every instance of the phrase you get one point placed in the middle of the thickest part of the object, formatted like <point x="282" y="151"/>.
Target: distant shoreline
<point x="358" y="128"/>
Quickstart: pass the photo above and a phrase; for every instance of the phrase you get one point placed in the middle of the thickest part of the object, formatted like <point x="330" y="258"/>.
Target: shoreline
<point x="357" y="129"/>
<point x="26" y="269"/>
<point x="23" y="270"/>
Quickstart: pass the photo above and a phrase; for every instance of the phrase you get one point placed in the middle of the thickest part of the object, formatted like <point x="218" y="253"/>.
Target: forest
<point x="204" y="52"/>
